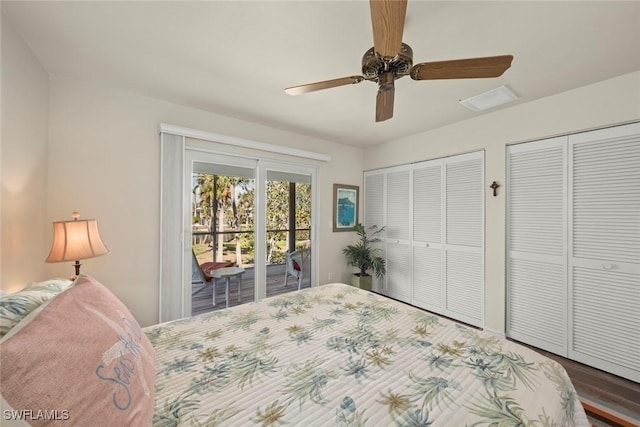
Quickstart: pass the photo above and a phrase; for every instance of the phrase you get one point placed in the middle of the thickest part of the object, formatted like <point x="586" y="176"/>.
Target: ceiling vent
<point x="493" y="98"/>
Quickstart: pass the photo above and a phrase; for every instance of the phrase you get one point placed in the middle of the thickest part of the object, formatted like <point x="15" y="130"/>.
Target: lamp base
<point x="77" y="266"/>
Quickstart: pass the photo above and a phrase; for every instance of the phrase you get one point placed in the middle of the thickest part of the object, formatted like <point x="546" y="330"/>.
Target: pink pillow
<point x="82" y="354"/>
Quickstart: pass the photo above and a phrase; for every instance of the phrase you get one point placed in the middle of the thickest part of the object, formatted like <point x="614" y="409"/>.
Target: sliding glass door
<point x="221" y="227"/>
<point x="249" y="227"/>
<point x="288" y="231"/>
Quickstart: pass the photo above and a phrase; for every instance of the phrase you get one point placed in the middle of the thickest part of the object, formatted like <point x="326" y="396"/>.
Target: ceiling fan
<point x="389" y="59"/>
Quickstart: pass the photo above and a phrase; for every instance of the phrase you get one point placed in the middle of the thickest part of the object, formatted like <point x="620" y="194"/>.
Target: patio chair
<point x="201" y="273"/>
<point x="293" y="266"/>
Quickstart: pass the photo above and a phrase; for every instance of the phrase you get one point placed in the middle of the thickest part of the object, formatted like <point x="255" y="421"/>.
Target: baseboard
<point x="608" y="413"/>
<point x="495" y="333"/>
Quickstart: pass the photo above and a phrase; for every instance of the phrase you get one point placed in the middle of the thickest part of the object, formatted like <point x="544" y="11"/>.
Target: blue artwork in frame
<point x="345" y="207"/>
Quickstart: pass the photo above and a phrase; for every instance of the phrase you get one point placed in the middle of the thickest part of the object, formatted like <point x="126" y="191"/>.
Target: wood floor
<point x="617" y="393"/>
<point x="202" y="301"/>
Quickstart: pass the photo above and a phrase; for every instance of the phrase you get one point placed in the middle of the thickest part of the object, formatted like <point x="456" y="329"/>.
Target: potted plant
<point x="364" y="257"/>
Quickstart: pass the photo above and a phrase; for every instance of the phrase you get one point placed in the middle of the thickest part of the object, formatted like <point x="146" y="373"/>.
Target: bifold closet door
<point x="433" y="212"/>
<point x="464" y="237"/>
<point x="604" y="257"/>
<point x="427" y="235"/>
<point x="398" y="245"/>
<point x="374" y="203"/>
<point x="536" y="244"/>
<point x="387" y="203"/>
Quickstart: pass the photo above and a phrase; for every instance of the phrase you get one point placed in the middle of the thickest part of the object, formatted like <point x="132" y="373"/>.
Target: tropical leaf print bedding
<point x="337" y="355"/>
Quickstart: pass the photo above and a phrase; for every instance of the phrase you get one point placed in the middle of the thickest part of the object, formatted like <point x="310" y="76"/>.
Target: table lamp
<point x="75" y="240"/>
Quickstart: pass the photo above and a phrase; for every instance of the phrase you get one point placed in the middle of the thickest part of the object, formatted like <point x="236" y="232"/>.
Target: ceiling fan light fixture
<point x="490" y="99"/>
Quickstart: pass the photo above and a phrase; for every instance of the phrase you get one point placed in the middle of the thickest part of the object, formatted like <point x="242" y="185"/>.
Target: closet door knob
<point x="607" y="266"/>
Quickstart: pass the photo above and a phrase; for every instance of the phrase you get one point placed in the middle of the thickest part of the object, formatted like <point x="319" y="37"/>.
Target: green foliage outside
<point x="226" y="203"/>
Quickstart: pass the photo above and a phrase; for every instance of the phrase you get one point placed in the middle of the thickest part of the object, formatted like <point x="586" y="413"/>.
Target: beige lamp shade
<point x="76" y="240"/>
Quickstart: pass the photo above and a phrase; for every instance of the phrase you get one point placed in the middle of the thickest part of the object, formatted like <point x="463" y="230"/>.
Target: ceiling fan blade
<point x="384" y="99"/>
<point x="311" y="87"/>
<point x="387" y="19"/>
<point x="470" y="68"/>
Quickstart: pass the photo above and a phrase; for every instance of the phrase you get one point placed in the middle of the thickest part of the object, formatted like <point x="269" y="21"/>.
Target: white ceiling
<point x="236" y="57"/>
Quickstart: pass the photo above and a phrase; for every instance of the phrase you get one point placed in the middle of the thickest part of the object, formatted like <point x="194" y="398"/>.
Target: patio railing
<point x="205" y="244"/>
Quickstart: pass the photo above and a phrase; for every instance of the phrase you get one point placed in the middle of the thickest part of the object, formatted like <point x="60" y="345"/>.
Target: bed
<point x="330" y="355"/>
<point x="337" y="355"/>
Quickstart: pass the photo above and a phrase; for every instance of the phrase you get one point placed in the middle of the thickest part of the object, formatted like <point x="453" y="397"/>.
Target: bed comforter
<point x="337" y="355"/>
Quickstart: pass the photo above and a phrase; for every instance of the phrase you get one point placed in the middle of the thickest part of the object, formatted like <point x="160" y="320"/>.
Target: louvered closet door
<point x="374" y="213"/>
<point x="398" y="248"/>
<point x="536" y="244"/>
<point x="464" y="238"/>
<point x="604" y="274"/>
<point x="427" y="235"/>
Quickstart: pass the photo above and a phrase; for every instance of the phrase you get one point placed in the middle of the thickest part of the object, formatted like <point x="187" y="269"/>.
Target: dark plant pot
<point x="362" y="282"/>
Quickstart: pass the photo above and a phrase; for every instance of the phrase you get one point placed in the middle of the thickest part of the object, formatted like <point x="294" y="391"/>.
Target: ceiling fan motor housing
<point x="373" y="65"/>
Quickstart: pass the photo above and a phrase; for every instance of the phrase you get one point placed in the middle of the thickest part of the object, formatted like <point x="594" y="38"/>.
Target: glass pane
<point x="222" y="211"/>
<point x="288" y="232"/>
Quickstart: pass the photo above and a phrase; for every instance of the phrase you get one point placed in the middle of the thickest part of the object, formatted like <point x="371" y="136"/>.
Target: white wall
<point x="103" y="160"/>
<point x="105" y="163"/>
<point x="23" y="164"/>
<point x="602" y="104"/>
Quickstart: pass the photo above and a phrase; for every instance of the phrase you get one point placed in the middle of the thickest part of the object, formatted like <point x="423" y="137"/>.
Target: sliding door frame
<point x="264" y="166"/>
<point x="192" y="156"/>
<point x="175" y="205"/>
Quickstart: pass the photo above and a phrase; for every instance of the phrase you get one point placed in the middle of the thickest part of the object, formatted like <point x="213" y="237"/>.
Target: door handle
<point x="607" y="266"/>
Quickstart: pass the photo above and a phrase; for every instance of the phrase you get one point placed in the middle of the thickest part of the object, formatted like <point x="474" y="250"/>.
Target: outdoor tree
<point x="225" y="203"/>
<point x="277" y="219"/>
<point x="303" y="205"/>
<point x="217" y="207"/>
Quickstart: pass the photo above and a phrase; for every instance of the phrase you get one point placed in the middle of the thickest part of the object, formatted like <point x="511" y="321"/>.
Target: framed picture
<point x="345" y="207"/>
